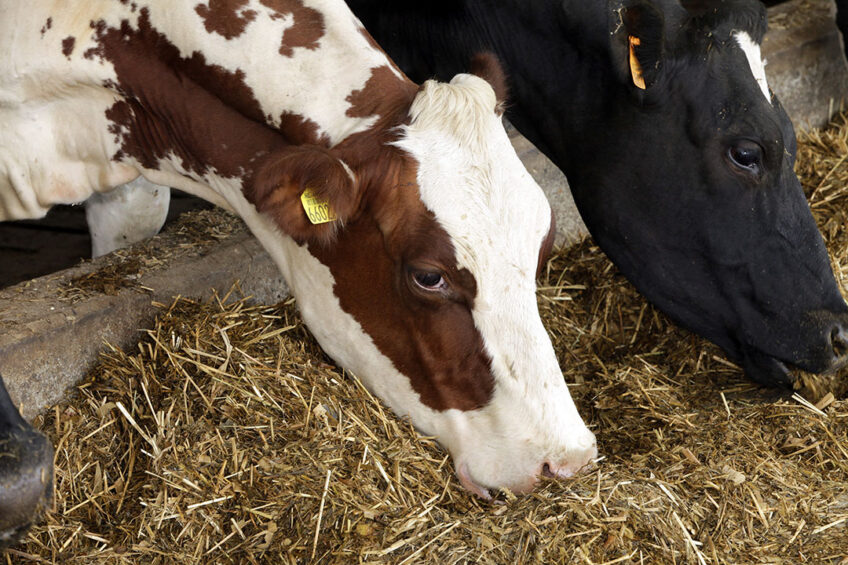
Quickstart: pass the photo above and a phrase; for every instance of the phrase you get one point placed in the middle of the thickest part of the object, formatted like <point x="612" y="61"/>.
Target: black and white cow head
<point x="742" y="261"/>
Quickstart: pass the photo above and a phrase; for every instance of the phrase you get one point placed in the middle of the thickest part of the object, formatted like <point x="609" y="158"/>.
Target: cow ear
<point x="487" y="66"/>
<point x="640" y="44"/>
<point x="308" y="191"/>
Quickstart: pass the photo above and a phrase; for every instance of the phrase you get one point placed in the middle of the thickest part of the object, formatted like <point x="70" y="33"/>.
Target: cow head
<point x="699" y="205"/>
<point x="424" y="285"/>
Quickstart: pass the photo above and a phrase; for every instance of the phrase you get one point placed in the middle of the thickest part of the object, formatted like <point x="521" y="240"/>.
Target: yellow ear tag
<point x="635" y="67"/>
<point x="318" y="211"/>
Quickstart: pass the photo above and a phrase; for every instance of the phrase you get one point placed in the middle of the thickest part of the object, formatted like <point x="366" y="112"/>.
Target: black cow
<point x="679" y="159"/>
<point x="26" y="472"/>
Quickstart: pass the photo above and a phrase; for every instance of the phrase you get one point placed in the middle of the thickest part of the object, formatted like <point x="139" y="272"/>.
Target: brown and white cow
<point x="424" y="285"/>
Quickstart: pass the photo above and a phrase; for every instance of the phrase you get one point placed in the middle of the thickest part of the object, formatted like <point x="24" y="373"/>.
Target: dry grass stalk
<point x="198" y="231"/>
<point x="227" y="437"/>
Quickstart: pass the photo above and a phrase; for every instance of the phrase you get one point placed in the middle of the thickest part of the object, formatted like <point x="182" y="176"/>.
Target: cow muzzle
<point x="822" y="350"/>
<point x="580" y="458"/>
<point x="831" y="331"/>
<point x="26" y="473"/>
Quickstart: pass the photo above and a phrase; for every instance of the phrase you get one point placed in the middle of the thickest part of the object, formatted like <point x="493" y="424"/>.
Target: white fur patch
<point x="755" y="60"/>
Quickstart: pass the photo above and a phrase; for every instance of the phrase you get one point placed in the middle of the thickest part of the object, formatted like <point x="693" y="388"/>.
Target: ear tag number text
<point x="318" y="211"/>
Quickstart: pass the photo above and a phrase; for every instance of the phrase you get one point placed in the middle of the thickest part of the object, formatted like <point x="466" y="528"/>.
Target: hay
<point x="227" y="437"/>
<point x="822" y="166"/>
<point x="197" y="231"/>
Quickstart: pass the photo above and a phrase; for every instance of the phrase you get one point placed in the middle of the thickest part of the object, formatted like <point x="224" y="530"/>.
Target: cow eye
<point x="746" y="155"/>
<point x="429" y="280"/>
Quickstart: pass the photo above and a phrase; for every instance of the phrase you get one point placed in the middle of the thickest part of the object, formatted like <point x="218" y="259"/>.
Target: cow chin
<point x="766" y="370"/>
<point x="819" y="345"/>
<point x="773" y="372"/>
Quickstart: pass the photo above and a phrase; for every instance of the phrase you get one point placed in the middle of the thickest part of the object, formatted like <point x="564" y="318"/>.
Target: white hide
<point x="128" y="214"/>
<point x="755" y="60"/>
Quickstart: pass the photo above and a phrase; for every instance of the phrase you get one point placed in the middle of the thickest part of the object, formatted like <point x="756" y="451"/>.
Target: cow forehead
<point x="471" y="179"/>
<point x="755" y="61"/>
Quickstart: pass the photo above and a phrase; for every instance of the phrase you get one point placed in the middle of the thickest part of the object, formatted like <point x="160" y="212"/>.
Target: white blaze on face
<point x="755" y="60"/>
<point x="497" y="216"/>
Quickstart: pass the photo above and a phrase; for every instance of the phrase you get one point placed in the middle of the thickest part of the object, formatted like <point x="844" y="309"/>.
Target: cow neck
<point x="165" y="115"/>
<point x="203" y="118"/>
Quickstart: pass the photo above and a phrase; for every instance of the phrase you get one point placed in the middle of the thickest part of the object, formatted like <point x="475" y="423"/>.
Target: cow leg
<point x="125" y="215"/>
<point x="26" y="472"/>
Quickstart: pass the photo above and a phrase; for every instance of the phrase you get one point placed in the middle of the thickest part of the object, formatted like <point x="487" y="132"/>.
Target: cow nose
<point x="26" y="473"/>
<point x="581" y="460"/>
<point x="839" y="343"/>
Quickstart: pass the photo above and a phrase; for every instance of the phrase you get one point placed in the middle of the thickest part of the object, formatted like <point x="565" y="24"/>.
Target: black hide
<point x="687" y="184"/>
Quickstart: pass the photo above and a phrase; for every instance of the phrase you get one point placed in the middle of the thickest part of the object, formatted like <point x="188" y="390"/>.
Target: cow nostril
<point x="839" y="341"/>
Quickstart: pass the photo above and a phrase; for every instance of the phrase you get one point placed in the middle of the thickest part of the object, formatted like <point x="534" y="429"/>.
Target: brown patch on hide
<point x="68" y="46"/>
<point x="308" y="27"/>
<point x="120" y="116"/>
<point x="202" y="114"/>
<point x="223" y="17"/>
<point x="300" y="130"/>
<point x="47" y="25"/>
<point x="382" y="87"/>
<point x="153" y="48"/>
